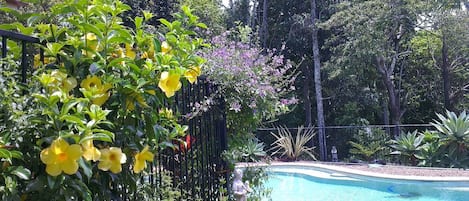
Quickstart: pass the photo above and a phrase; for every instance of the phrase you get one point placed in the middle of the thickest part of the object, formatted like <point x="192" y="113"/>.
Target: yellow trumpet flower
<point x="90" y="152"/>
<point x="169" y="83"/>
<point x="61" y="157"/>
<point x="141" y="158"/>
<point x="99" y="91"/>
<point x="111" y="159"/>
<point x="192" y="74"/>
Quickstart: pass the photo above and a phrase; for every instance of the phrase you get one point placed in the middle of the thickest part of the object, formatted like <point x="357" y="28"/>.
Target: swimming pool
<point x="297" y="183"/>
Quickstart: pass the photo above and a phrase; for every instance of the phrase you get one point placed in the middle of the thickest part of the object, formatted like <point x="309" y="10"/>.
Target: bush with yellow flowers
<point x="96" y="99"/>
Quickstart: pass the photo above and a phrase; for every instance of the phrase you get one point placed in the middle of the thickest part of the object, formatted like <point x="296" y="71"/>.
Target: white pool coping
<point x="353" y="172"/>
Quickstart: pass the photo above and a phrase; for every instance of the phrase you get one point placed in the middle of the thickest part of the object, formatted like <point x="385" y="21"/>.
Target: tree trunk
<point x="306" y="95"/>
<point x="445" y="73"/>
<point x="386" y="115"/>
<point x="317" y="84"/>
<point x="393" y="96"/>
<point x="253" y="19"/>
<point x="264" y="33"/>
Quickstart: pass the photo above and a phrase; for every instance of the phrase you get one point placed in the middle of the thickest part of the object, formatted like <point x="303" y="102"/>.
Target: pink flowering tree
<point x="257" y="85"/>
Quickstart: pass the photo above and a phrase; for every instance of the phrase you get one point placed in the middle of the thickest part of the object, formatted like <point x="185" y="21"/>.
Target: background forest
<point x="356" y="62"/>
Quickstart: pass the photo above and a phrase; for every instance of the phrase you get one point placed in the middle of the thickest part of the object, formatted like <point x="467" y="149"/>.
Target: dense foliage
<point x="95" y="112"/>
<point x="444" y="146"/>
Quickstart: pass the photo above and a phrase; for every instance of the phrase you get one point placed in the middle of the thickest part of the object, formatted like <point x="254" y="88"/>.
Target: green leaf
<point x="157" y="45"/>
<point x="73" y="119"/>
<point x="16" y="154"/>
<point x="87" y="168"/>
<point x="55" y="182"/>
<point x="54" y="48"/>
<point x="5" y="154"/>
<point x="97" y="136"/>
<point x="93" y="29"/>
<point x="201" y="25"/>
<point x="67" y="106"/>
<point x="105" y="132"/>
<point x="36" y="184"/>
<point x="138" y="22"/>
<point x="166" y="23"/>
<point x="22" y="172"/>
<point x="147" y="15"/>
<point x="81" y="188"/>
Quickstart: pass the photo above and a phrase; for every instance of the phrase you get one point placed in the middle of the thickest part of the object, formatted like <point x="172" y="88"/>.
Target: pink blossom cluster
<point x="250" y="78"/>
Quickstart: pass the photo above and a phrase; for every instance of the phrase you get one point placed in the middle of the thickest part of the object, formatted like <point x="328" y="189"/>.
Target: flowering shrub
<point x="98" y="98"/>
<point x="256" y="85"/>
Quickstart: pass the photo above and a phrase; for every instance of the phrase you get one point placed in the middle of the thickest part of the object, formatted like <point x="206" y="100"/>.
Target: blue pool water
<point x="302" y="187"/>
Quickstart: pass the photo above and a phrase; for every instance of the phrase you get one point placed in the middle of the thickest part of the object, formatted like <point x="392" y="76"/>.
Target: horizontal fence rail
<point x="26" y="53"/>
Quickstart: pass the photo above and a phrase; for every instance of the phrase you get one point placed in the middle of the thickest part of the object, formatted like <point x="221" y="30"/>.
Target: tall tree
<point x="375" y="33"/>
<point x="451" y="23"/>
<point x="264" y="29"/>
<point x="317" y="82"/>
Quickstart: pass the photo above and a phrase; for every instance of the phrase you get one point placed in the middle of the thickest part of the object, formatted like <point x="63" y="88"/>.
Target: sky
<point x="226" y="2"/>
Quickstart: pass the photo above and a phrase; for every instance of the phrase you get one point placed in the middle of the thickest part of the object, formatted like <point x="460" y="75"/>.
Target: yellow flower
<point x="111" y="159"/>
<point x="91" y="36"/>
<point x="90" y="152"/>
<point x="92" y="41"/>
<point x="192" y="74"/>
<point x="118" y="53"/>
<point x="165" y="47"/>
<point x="150" y="54"/>
<point x="129" y="104"/>
<point x="61" y="156"/>
<point x="133" y="97"/>
<point x="141" y="158"/>
<point x="129" y="52"/>
<point x="47" y="60"/>
<point x="169" y="83"/>
<point x="98" y="91"/>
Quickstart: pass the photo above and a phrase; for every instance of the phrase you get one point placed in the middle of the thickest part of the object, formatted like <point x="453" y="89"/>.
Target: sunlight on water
<point x="298" y="187"/>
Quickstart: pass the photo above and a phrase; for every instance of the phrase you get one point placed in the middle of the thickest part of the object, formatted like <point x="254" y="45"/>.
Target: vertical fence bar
<point x="4" y="47"/>
<point x="24" y="63"/>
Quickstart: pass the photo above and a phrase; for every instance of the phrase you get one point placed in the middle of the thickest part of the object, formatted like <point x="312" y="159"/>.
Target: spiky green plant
<point x="292" y="148"/>
<point x="366" y="152"/>
<point x="407" y="146"/>
<point x="454" y="138"/>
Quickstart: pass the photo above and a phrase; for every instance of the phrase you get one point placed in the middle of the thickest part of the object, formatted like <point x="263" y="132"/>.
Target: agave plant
<point x="253" y="151"/>
<point x="408" y="146"/>
<point x="454" y="138"/>
<point x="292" y="148"/>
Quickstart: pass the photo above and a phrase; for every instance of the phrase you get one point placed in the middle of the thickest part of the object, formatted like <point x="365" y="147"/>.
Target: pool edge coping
<point x="357" y="172"/>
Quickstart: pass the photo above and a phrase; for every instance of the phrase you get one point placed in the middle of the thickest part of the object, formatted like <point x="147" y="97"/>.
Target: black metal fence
<point x="196" y="172"/>
<point x="27" y="45"/>
<point x="340" y="137"/>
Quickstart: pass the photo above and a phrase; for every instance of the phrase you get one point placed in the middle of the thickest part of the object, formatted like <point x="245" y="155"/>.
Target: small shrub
<point x="292" y="148"/>
<point x="407" y="146"/>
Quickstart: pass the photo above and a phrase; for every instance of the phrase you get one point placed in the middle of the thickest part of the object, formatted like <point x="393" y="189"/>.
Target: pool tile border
<point x="357" y="172"/>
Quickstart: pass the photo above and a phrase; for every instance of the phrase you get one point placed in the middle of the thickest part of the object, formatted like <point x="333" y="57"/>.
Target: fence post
<point x="4" y="47"/>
